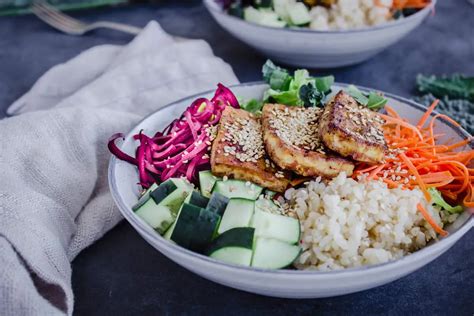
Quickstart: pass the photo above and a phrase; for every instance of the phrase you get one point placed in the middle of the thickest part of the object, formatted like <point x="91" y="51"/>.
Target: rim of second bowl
<point x="211" y="5"/>
<point x="157" y="238"/>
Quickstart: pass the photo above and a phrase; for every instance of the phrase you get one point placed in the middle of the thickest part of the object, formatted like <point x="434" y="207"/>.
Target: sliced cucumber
<point x="281" y="8"/>
<point x="235" y="255"/>
<point x="195" y="199"/>
<point x="163" y="190"/>
<point x="274" y="254"/>
<point x="195" y="227"/>
<point x="238" y="189"/>
<point x="145" y="196"/>
<point x="263" y="3"/>
<point x="206" y="182"/>
<point x="262" y="17"/>
<point x="198" y="200"/>
<point x="157" y="216"/>
<point x="172" y="193"/>
<point x="170" y="230"/>
<point x="299" y="14"/>
<point x="217" y="203"/>
<point x="266" y="205"/>
<point x="161" y="215"/>
<point x="280" y="227"/>
<point x="269" y="193"/>
<point x="238" y="213"/>
<point x="234" y="246"/>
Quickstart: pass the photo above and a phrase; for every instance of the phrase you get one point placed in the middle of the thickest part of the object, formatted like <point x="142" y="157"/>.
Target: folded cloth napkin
<point x="54" y="196"/>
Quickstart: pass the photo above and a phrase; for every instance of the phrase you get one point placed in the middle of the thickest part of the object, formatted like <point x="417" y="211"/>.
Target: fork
<point x="70" y="25"/>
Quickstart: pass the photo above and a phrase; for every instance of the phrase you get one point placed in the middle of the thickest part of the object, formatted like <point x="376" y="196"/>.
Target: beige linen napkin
<point x="54" y="195"/>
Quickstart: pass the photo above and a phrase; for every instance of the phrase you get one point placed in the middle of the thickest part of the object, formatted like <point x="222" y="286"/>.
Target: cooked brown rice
<point x="347" y="223"/>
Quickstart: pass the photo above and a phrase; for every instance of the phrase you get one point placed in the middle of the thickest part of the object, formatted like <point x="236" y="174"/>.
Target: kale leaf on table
<point x="455" y="87"/>
<point x="460" y="110"/>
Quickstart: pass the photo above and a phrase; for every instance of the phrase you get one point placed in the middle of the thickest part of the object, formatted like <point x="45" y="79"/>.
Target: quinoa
<point x="347" y="223"/>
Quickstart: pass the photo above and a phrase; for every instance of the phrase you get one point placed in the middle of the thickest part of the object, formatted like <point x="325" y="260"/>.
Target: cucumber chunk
<point x="170" y="230"/>
<point x="177" y="190"/>
<point x="274" y="254"/>
<point x="206" y="182"/>
<point x="217" y="203"/>
<point x="195" y="227"/>
<point x="164" y="189"/>
<point x="262" y="17"/>
<point x="234" y="255"/>
<point x="157" y="216"/>
<point x="269" y="193"/>
<point x="161" y="215"/>
<point x="145" y="196"/>
<point x="198" y="200"/>
<point x="238" y="189"/>
<point x="234" y="246"/>
<point x="299" y="14"/>
<point x="280" y="227"/>
<point x="266" y="205"/>
<point x="238" y="213"/>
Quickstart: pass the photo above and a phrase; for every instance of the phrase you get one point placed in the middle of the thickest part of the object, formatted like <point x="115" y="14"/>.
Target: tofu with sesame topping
<point x="352" y="130"/>
<point x="238" y="151"/>
<point x="291" y="137"/>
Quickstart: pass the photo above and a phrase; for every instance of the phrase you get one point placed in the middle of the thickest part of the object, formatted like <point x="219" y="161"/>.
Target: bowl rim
<point x="213" y="7"/>
<point x="135" y="221"/>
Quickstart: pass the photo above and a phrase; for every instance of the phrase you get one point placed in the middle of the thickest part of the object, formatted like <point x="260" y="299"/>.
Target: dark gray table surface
<point x="121" y="274"/>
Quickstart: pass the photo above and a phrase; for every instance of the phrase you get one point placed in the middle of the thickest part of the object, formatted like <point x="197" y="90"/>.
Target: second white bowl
<point x="317" y="49"/>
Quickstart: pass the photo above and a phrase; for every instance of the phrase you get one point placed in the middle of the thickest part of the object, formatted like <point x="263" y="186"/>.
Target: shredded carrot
<point x="415" y="173"/>
<point x="391" y="111"/>
<point x="367" y="169"/>
<point x="436" y="176"/>
<point x="431" y="221"/>
<point x="374" y="172"/>
<point x="403" y="124"/>
<point x="427" y="114"/>
<point x="417" y="158"/>
<point x="410" y="4"/>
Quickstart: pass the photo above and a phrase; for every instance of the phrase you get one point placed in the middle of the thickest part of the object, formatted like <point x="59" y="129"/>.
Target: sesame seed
<point x="298" y="129"/>
<point x="245" y="135"/>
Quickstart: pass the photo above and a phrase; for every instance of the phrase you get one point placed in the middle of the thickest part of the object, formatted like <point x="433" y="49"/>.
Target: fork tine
<point x="57" y="16"/>
<point x="51" y="21"/>
<point x="69" y="25"/>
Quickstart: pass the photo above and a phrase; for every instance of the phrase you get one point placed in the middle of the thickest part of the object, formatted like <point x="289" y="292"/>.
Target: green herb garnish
<point x="438" y="200"/>
<point x="298" y="90"/>
<point x="373" y="100"/>
<point x="252" y="105"/>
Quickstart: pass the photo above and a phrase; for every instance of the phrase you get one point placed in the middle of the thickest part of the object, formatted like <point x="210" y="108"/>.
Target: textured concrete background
<point x="121" y="274"/>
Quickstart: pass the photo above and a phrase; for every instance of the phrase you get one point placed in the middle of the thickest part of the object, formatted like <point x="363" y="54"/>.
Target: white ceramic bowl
<point x="280" y="283"/>
<point x="317" y="49"/>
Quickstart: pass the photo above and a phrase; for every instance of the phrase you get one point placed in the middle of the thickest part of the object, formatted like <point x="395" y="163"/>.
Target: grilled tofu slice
<point x="238" y="151"/>
<point x="352" y="130"/>
<point x="292" y="141"/>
